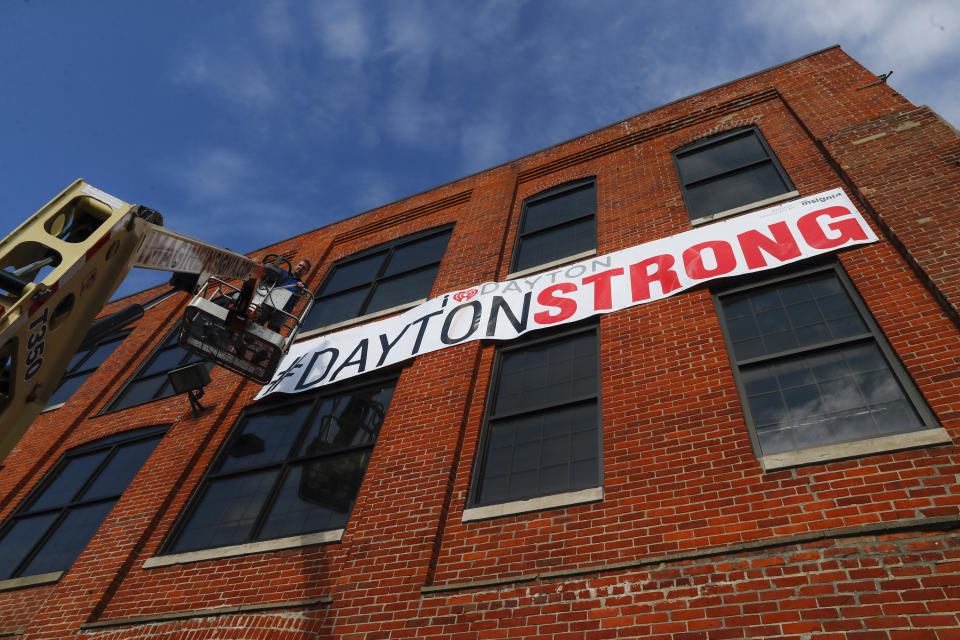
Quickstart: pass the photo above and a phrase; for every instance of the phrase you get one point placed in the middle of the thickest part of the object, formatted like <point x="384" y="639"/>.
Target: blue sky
<point x="248" y="121"/>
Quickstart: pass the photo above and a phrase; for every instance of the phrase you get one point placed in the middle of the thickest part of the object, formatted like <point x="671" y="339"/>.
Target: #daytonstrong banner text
<point x="503" y="310"/>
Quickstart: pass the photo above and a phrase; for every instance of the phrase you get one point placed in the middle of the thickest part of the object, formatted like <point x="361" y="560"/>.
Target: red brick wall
<point x="906" y="168"/>
<point x="692" y="539"/>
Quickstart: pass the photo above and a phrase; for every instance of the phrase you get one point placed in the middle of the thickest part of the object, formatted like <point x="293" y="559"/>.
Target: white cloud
<point x="227" y="197"/>
<point x="276" y="23"/>
<point x="917" y="40"/>
<point x="484" y="144"/>
<point x="214" y="174"/>
<point x="495" y="20"/>
<point x="915" y="34"/>
<point x="918" y="36"/>
<point x="342" y="28"/>
<point x="459" y="88"/>
<point x="372" y="189"/>
<point x="411" y="29"/>
<point x="234" y="75"/>
<point x="411" y="119"/>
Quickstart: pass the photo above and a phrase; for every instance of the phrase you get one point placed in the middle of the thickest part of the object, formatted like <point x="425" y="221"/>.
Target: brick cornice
<point x="648" y="133"/>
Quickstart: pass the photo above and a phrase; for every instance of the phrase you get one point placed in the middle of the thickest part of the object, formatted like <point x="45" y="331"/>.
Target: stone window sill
<point x="747" y="207"/>
<point x="217" y="553"/>
<point x="831" y="452"/>
<point x="30" y="581"/>
<point x="533" y="504"/>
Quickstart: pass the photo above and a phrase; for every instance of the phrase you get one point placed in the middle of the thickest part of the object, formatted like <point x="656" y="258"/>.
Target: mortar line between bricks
<point x="207" y="613"/>
<point x="437" y="544"/>
<point x="852" y="185"/>
<point x="404" y="216"/>
<point x="137" y="551"/>
<point x="649" y="133"/>
<point x="19" y="491"/>
<point x="944" y="522"/>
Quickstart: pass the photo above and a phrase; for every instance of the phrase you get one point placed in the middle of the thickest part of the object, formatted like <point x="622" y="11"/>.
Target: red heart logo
<point x="460" y="296"/>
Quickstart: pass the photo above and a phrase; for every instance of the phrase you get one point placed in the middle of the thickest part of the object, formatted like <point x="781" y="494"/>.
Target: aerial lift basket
<point x="249" y="338"/>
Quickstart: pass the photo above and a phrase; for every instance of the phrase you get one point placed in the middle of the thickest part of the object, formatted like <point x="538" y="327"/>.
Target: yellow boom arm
<point x="59" y="268"/>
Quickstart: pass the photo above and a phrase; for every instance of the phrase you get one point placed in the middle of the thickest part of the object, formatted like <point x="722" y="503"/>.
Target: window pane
<point x="720" y="157"/>
<point x="140" y="391"/>
<point x="821" y="376"/>
<point x="336" y="308"/>
<point x="317" y="496"/>
<point x="779" y="341"/>
<point x="399" y="272"/>
<point x="556" y="243"/>
<point x="80" y="368"/>
<point x="20" y="539"/>
<point x="227" y="511"/>
<point x="559" y="209"/>
<point x="151" y="383"/>
<point x="77" y="517"/>
<point x="417" y="254"/>
<point x="734" y="190"/>
<point x="808" y="311"/>
<point x="848" y="393"/>
<point x="402" y="289"/>
<point x="352" y="274"/>
<point x="547" y="373"/>
<point x="117" y="475"/>
<point x="68" y="482"/>
<point x="265" y="478"/>
<point x="75" y="360"/>
<point x="195" y="357"/>
<point x="347" y="420"/>
<point x="99" y="355"/>
<point x="547" y="452"/>
<point x="66" y="389"/>
<point x="265" y="437"/>
<point x="547" y="442"/>
<point x="71" y="536"/>
<point x="165" y="360"/>
<point x="733" y="170"/>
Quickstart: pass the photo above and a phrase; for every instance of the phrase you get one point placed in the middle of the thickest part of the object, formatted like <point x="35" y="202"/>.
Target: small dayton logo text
<point x="460" y="296"/>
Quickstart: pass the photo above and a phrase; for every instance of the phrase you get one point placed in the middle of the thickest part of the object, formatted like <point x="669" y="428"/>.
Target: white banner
<point x="504" y="310"/>
<point x="167" y="250"/>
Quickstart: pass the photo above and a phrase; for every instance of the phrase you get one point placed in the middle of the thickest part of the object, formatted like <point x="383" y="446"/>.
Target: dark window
<point x="83" y="364"/>
<point x="150" y="381"/>
<point x="542" y="431"/>
<point x="386" y="276"/>
<point x="557" y="223"/>
<point x="288" y="470"/>
<point x="52" y="527"/>
<point x="812" y="366"/>
<point x="729" y="170"/>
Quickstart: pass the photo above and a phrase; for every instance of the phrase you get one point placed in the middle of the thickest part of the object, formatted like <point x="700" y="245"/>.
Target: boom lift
<point x="59" y="268"/>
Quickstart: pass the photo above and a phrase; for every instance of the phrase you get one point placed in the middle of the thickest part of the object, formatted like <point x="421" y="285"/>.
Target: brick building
<point x="769" y="455"/>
